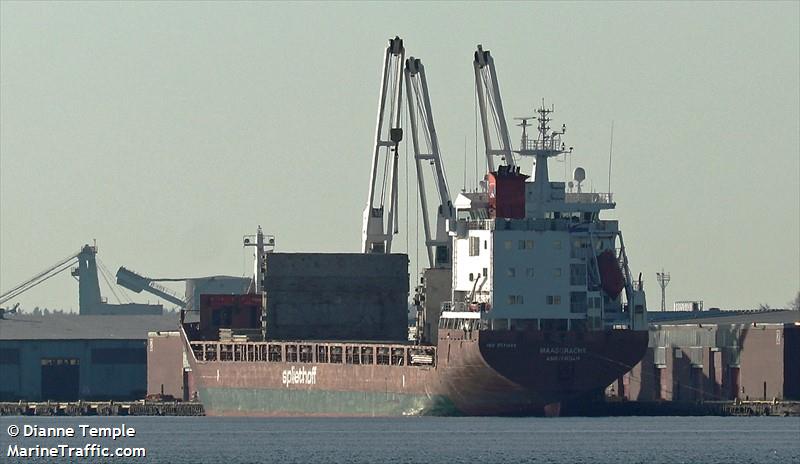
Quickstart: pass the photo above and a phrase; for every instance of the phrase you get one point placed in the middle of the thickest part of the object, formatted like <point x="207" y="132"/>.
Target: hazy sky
<point x="167" y="131"/>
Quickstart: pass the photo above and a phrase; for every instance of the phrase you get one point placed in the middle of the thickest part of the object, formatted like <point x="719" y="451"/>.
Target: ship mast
<point x="547" y="144"/>
<point x="263" y="244"/>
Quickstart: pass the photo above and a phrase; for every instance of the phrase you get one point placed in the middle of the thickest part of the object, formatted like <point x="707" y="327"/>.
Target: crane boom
<point x="488" y="93"/>
<point x="438" y="246"/>
<point x="377" y="230"/>
<point x="137" y="283"/>
<point x="61" y="265"/>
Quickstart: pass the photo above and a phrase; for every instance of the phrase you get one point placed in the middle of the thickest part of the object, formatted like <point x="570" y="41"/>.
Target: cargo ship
<point x="528" y="302"/>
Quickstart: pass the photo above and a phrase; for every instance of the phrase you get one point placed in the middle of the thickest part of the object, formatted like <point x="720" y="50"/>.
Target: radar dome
<point x="579" y="175"/>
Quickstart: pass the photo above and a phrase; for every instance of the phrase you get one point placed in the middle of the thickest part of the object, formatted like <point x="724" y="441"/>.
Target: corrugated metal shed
<point x="773" y="316"/>
<point x="64" y="327"/>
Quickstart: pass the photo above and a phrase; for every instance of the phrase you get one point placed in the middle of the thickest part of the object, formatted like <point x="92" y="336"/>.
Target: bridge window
<point x="577" y="302"/>
<point x="474" y="246"/>
<point x="577" y="274"/>
<point x="553" y="299"/>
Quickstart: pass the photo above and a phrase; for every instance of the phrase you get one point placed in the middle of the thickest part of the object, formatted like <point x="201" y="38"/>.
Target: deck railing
<point x="589" y="197"/>
<point x="314" y="352"/>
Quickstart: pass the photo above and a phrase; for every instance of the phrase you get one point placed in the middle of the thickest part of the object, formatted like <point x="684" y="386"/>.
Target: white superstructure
<point x="528" y="252"/>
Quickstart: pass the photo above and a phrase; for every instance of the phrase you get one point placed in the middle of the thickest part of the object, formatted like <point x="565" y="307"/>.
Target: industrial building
<point x="71" y="357"/>
<point x="717" y="356"/>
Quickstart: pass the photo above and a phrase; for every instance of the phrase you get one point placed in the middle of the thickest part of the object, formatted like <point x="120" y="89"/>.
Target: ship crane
<point x="438" y="246"/>
<point x="378" y="226"/>
<point x="138" y="283"/>
<point x="491" y="108"/>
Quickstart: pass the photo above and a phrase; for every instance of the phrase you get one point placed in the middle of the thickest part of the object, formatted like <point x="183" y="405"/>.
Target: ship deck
<point x="312" y="351"/>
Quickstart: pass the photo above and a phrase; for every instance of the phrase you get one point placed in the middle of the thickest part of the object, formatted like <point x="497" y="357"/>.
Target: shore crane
<point x="90" y="301"/>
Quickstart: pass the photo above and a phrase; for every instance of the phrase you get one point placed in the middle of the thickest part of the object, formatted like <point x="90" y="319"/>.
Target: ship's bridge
<point x="541" y="201"/>
<point x="589" y="198"/>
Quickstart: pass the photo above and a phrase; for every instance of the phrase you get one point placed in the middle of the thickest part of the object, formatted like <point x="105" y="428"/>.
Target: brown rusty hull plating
<point x="475" y="373"/>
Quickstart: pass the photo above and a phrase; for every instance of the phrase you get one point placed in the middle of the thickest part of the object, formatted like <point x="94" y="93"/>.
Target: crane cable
<point x="422" y="117"/>
<point x="26" y="283"/>
<point x="24" y="287"/>
<point x="108" y="274"/>
<point x="103" y="273"/>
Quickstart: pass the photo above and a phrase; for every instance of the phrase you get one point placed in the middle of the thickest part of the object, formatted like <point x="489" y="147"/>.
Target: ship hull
<point x="474" y="373"/>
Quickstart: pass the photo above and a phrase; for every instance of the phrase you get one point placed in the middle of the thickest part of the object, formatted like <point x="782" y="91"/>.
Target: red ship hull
<point x="472" y="373"/>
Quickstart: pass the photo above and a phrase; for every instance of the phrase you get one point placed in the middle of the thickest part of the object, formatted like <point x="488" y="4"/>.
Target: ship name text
<point x="562" y="353"/>
<point x="501" y="345"/>
<point x="302" y="376"/>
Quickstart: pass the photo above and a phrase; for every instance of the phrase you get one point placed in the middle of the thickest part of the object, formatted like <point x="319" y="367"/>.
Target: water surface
<point x="650" y="440"/>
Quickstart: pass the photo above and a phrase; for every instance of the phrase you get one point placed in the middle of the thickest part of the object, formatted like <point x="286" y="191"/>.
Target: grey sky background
<point x="167" y="131"/>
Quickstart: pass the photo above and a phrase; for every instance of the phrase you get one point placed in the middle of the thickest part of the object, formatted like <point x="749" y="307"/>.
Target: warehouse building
<point x="717" y="356"/>
<point x="70" y="357"/>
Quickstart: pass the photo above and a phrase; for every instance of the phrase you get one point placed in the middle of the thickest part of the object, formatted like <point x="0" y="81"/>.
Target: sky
<point x="166" y="131"/>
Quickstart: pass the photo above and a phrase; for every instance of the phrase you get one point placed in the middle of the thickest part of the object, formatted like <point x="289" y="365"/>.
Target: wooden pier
<point x="685" y="408"/>
<point x="103" y="408"/>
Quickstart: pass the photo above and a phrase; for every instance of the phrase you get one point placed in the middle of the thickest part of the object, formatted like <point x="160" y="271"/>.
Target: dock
<point x="685" y="408"/>
<point x="103" y="408"/>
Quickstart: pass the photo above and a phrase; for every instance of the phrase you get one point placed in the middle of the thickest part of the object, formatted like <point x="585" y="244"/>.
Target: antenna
<point x="464" y="184"/>
<point x="579" y="175"/>
<point x="663" y="279"/>
<point x="610" y="150"/>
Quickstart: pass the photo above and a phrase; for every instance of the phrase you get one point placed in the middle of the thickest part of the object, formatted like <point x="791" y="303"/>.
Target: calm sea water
<point x="615" y="440"/>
